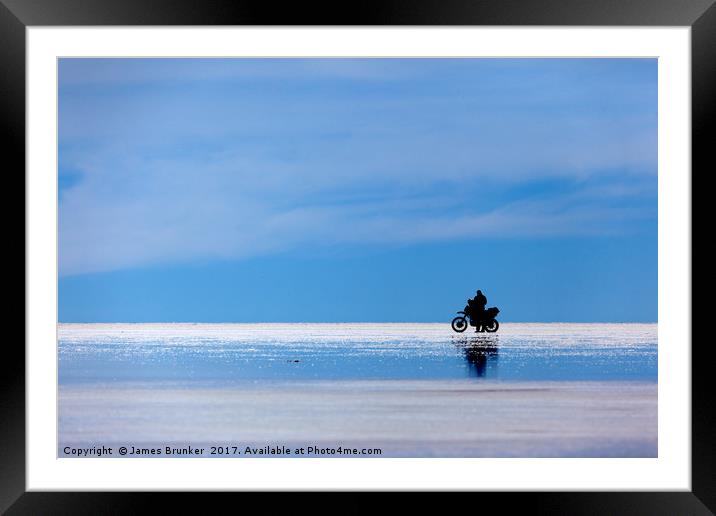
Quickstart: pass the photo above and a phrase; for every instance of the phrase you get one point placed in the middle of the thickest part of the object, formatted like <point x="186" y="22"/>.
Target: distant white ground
<point x="451" y="418"/>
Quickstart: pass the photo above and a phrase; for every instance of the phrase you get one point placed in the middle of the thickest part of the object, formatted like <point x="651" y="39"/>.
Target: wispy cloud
<point x="191" y="160"/>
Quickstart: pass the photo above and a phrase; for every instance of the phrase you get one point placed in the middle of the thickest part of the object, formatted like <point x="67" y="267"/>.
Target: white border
<point x="670" y="471"/>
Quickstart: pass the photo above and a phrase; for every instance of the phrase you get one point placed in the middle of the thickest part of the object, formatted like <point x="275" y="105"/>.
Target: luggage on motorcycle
<point x="492" y="312"/>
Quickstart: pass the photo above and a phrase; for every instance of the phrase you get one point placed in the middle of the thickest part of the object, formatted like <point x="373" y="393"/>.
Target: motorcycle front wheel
<point x="459" y="324"/>
<point x="491" y="326"/>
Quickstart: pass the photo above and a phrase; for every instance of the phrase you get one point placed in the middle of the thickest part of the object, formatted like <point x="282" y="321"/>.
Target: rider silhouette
<point x="480" y="301"/>
<point x="477" y="306"/>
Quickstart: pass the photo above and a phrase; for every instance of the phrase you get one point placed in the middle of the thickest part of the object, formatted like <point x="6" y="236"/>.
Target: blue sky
<point x="243" y="190"/>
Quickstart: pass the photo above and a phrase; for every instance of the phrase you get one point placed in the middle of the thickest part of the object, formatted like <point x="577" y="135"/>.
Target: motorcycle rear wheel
<point x="491" y="326"/>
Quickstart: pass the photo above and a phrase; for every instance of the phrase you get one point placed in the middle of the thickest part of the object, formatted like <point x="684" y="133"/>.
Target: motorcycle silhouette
<point x="486" y="322"/>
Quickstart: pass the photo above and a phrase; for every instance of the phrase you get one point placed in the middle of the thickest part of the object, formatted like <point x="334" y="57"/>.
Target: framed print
<point x="445" y="248"/>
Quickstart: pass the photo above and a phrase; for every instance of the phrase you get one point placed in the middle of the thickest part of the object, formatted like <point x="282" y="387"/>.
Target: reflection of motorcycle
<point x="480" y="352"/>
<point x="486" y="323"/>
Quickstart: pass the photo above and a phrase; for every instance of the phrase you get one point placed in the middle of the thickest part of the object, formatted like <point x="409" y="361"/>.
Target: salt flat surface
<point x="414" y="418"/>
<point x="414" y="390"/>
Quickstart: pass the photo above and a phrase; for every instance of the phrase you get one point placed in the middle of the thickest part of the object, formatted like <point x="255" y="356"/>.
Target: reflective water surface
<point x="256" y="352"/>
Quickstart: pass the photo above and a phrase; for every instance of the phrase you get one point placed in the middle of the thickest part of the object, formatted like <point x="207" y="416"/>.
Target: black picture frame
<point x="17" y="15"/>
